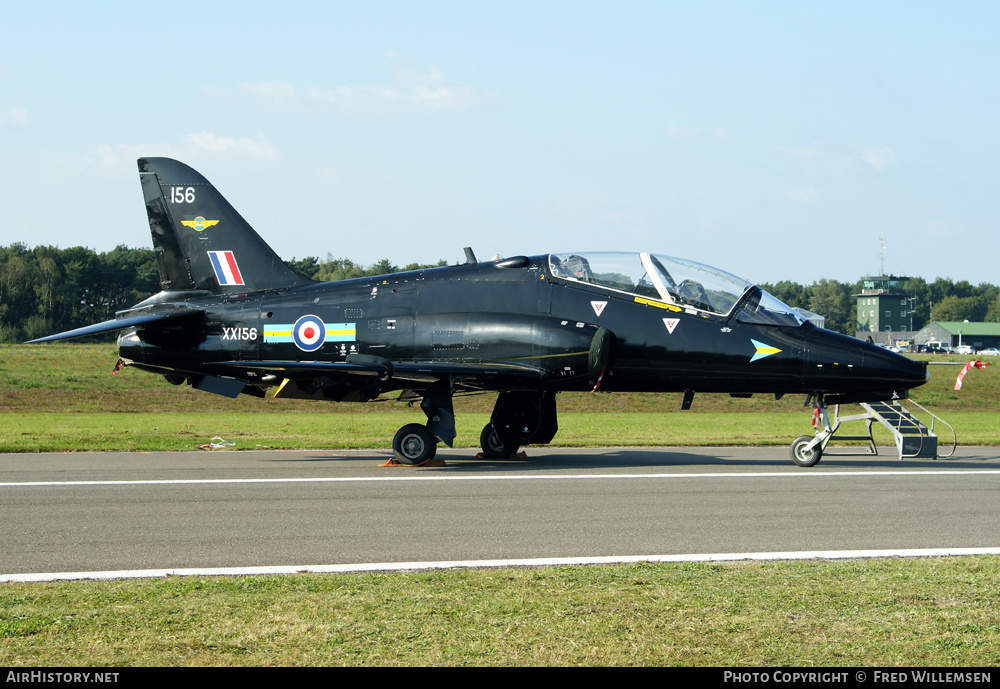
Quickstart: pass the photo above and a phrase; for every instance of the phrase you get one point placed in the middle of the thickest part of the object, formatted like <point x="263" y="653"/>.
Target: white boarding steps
<point x="913" y="438"/>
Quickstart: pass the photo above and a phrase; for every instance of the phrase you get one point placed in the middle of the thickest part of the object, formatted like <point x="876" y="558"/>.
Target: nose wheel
<point x="802" y="454"/>
<point x="807" y="450"/>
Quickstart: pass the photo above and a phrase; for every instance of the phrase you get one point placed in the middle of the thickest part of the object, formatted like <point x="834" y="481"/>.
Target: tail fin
<point x="201" y="242"/>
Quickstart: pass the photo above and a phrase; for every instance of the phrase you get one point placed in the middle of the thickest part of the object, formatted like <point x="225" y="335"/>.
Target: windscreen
<point x="687" y="284"/>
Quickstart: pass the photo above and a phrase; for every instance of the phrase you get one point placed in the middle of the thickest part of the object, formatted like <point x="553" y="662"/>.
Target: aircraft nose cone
<point x="896" y="370"/>
<point x="845" y="365"/>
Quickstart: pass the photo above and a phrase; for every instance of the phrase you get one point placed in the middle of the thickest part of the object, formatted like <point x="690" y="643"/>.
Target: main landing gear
<point x="519" y="417"/>
<point x="493" y="447"/>
<point x="414" y="444"/>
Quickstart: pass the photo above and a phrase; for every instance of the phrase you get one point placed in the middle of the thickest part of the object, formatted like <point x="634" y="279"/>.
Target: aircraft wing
<point x="127" y="320"/>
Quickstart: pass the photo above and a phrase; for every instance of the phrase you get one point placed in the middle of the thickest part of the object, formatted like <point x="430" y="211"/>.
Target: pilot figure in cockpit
<point x="692" y="292"/>
<point x="577" y="267"/>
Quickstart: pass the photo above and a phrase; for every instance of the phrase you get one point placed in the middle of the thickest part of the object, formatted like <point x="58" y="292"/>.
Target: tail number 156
<point x="181" y="194"/>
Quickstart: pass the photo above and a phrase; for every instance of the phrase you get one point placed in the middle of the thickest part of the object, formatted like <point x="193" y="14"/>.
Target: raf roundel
<point x="309" y="333"/>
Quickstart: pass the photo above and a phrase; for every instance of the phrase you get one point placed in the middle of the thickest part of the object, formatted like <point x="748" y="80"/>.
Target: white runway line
<point x="531" y="562"/>
<point x="506" y="477"/>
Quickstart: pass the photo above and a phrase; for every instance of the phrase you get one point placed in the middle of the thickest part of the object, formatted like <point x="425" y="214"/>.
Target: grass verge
<point x="52" y="432"/>
<point x="928" y="611"/>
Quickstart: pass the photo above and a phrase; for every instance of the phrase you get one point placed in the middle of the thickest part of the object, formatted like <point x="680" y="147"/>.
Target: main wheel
<point x="492" y="446"/>
<point x="803" y="457"/>
<point x="413" y="444"/>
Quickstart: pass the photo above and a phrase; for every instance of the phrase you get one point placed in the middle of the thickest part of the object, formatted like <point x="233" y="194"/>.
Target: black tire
<point x="413" y="444"/>
<point x="492" y="445"/>
<point x="803" y="457"/>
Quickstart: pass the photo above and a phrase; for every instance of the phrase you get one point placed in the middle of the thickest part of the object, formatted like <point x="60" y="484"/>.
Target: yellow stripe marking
<point x="657" y="304"/>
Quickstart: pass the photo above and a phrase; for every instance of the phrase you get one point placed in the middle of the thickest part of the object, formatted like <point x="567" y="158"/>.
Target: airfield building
<point x="977" y="335"/>
<point x="885" y="309"/>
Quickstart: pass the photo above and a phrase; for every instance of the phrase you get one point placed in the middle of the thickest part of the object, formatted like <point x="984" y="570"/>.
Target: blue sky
<point x="773" y="140"/>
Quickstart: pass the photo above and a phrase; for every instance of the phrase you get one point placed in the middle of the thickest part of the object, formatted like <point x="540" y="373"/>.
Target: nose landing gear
<point x="805" y="452"/>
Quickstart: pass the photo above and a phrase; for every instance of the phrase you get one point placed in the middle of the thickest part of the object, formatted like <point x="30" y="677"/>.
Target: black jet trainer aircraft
<point x="233" y="319"/>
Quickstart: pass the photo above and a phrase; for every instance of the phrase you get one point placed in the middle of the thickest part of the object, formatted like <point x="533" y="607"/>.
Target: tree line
<point x="941" y="300"/>
<point x="45" y="290"/>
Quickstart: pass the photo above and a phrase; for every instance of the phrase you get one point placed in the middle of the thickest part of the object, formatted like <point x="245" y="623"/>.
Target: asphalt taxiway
<point x="77" y="512"/>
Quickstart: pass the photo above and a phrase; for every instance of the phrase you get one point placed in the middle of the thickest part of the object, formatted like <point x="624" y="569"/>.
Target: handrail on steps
<point x="935" y="417"/>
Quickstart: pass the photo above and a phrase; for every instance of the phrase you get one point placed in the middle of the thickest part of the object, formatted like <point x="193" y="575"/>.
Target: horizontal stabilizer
<point x="112" y="325"/>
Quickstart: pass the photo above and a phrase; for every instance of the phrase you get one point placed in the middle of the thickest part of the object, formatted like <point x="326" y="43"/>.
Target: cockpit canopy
<point x="686" y="284"/>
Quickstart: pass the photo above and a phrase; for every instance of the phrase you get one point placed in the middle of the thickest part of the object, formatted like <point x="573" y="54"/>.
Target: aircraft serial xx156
<point x="233" y="319"/>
